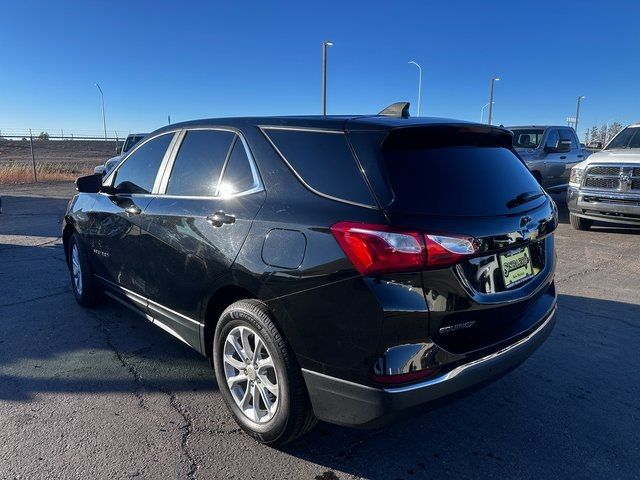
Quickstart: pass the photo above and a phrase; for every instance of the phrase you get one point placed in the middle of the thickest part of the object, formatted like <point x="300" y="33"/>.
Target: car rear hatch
<point x="464" y="182"/>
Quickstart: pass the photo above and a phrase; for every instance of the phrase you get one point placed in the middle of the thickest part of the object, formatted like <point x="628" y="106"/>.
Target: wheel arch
<point x="67" y="231"/>
<point x="216" y="304"/>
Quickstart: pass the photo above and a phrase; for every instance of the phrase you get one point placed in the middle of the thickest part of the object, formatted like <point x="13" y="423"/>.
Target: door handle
<point x="563" y="157"/>
<point x="220" y="218"/>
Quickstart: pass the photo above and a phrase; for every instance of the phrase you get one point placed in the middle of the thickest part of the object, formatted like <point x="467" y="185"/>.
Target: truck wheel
<point x="258" y="375"/>
<point x="84" y="285"/>
<point x="580" y="223"/>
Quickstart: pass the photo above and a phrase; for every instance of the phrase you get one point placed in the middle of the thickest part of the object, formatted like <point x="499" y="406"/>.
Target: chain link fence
<point x="43" y="157"/>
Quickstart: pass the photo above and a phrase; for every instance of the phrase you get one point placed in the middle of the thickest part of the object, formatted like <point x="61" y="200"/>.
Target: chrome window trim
<point x="111" y="177"/>
<point x="163" y="177"/>
<point x="299" y="177"/>
<point x="257" y="186"/>
<point x="301" y="129"/>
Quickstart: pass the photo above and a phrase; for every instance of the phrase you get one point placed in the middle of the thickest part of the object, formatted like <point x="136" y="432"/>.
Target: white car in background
<point x="113" y="162"/>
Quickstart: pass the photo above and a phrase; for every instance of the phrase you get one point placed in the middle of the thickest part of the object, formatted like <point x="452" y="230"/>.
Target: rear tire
<point x="85" y="289"/>
<point x="580" y="223"/>
<point x="251" y="356"/>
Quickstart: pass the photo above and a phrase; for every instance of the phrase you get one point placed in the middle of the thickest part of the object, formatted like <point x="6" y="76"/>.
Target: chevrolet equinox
<point x="346" y="269"/>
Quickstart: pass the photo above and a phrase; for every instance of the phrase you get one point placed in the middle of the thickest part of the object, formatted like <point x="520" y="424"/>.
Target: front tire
<point x="258" y="375"/>
<point x="84" y="285"/>
<point x="580" y="223"/>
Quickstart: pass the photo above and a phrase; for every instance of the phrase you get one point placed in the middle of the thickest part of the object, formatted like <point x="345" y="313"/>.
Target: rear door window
<point x="138" y="172"/>
<point x="197" y="167"/>
<point x="324" y="162"/>
<point x="439" y="172"/>
<point x="238" y="175"/>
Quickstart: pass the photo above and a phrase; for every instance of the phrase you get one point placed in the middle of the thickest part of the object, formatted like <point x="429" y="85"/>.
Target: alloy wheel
<point x="250" y="374"/>
<point x="76" y="270"/>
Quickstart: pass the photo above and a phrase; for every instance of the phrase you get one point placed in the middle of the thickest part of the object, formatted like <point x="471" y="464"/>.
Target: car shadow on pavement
<point x="546" y="418"/>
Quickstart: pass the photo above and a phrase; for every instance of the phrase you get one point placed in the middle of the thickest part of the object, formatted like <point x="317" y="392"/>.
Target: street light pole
<point x="325" y="45"/>
<point x="419" y="84"/>
<point x="493" y="80"/>
<point x="578" y="112"/>
<point x="104" y="121"/>
<point x="482" y="111"/>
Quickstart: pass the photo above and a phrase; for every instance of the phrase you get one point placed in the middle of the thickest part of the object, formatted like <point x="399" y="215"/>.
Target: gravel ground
<point x="103" y="394"/>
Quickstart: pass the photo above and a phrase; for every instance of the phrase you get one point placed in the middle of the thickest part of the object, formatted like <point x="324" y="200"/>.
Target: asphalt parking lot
<point x="103" y="394"/>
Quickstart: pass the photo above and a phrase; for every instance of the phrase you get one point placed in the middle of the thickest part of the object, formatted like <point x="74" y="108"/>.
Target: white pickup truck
<point x="129" y="143"/>
<point x="606" y="186"/>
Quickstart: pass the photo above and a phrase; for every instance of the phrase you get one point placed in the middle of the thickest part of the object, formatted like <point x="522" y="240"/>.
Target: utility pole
<point x="419" y="84"/>
<point x="491" y="83"/>
<point x="104" y="122"/>
<point x="325" y="45"/>
<point x="578" y="112"/>
<point x="33" y="157"/>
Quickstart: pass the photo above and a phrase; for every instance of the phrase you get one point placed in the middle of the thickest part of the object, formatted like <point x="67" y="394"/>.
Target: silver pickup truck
<point x="550" y="152"/>
<point x="606" y="186"/>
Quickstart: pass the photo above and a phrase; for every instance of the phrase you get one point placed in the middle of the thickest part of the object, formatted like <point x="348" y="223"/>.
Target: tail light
<point x="375" y="249"/>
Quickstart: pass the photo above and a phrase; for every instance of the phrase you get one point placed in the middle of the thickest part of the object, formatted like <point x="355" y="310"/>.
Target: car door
<point x="554" y="162"/>
<point x="197" y="224"/>
<point x="574" y="156"/>
<point x="117" y="215"/>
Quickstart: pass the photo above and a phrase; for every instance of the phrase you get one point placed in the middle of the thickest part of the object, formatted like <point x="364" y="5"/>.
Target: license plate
<point x="516" y="266"/>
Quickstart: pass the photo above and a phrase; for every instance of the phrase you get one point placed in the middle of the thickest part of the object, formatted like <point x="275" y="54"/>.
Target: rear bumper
<point x="346" y="403"/>
<point x="611" y="206"/>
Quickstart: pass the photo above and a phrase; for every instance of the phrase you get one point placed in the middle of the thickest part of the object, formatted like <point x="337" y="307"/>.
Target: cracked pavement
<point x="104" y="394"/>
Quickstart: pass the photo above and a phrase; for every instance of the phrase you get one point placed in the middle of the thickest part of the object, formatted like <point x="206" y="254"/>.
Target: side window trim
<point x="226" y="162"/>
<point x="265" y="128"/>
<point x="258" y="186"/>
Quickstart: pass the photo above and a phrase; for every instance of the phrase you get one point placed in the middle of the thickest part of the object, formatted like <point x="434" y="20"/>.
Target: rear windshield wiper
<point x="523" y="198"/>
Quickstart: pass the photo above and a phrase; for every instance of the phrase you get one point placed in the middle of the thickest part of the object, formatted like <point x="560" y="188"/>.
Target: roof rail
<point x="398" y="109"/>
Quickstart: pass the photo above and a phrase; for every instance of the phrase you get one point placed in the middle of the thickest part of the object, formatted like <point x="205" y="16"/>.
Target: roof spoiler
<point x="398" y="110"/>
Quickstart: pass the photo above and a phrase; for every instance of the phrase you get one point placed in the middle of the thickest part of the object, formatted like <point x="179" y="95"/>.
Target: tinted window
<point x="325" y="163"/>
<point x="196" y="170"/>
<point x="237" y="176"/>
<point x="529" y="138"/>
<point x="455" y="179"/>
<point x="566" y="134"/>
<point x="552" y="138"/>
<point x="138" y="173"/>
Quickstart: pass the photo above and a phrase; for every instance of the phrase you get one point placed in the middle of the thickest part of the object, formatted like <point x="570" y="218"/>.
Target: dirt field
<point x="55" y="159"/>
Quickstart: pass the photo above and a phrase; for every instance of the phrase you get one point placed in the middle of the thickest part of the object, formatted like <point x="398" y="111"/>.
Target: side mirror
<point x="563" y="146"/>
<point x="89" y="183"/>
<point x="595" y="145"/>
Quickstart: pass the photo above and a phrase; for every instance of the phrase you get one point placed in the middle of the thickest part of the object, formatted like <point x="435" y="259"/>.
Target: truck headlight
<point x="575" y="179"/>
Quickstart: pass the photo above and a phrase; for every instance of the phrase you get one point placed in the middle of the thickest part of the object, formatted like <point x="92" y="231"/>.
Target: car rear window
<point x="456" y="172"/>
<point x="324" y="162"/>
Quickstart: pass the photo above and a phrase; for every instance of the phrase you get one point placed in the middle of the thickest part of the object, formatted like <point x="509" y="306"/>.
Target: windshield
<point x="527" y="138"/>
<point x="627" y="138"/>
<point x="130" y="142"/>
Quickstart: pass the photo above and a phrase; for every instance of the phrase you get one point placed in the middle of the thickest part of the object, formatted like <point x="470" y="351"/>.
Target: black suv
<point x="335" y="268"/>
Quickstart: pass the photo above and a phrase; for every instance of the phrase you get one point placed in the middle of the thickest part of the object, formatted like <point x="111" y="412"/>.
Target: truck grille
<point x="620" y="178"/>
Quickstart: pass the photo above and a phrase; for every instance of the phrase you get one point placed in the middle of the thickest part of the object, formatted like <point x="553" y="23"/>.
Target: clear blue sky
<point x="208" y="59"/>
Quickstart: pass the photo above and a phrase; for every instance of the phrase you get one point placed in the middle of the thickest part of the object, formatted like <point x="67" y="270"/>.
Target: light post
<point x="578" y="112"/>
<point x="104" y="122"/>
<point x="482" y="111"/>
<point x="325" y="45"/>
<point x="493" y="80"/>
<point x="419" y="84"/>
